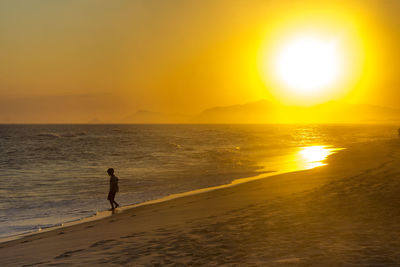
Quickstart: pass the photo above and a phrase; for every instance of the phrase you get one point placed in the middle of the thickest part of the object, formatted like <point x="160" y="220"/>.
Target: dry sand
<point x="344" y="214"/>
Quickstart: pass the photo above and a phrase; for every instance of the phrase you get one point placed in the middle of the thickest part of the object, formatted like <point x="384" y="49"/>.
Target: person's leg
<point x="112" y="205"/>
<point x="113" y="200"/>
<point x="111" y="197"/>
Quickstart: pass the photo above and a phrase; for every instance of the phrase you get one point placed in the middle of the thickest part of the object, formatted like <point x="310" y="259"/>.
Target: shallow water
<point x="56" y="173"/>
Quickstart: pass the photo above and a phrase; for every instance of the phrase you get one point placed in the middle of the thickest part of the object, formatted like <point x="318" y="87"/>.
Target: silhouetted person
<point x="113" y="188"/>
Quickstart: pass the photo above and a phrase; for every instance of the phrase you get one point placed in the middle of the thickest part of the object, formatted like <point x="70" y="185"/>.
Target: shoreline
<point x="107" y="213"/>
<point x="286" y="218"/>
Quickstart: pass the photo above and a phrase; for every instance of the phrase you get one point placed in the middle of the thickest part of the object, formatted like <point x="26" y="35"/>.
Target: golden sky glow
<point x="72" y="61"/>
<point x="314" y="55"/>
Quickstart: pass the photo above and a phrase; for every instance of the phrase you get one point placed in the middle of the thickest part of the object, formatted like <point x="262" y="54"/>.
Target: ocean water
<point x="52" y="174"/>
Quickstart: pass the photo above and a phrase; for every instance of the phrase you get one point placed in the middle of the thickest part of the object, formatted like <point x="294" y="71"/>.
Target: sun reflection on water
<point x="300" y="158"/>
<point x="313" y="156"/>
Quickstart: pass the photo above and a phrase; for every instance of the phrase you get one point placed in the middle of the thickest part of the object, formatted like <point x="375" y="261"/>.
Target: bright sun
<point x="308" y="64"/>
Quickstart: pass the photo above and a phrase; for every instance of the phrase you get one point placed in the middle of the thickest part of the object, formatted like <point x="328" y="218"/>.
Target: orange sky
<point x="72" y="61"/>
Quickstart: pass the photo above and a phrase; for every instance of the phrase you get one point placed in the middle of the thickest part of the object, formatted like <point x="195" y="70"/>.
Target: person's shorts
<point x="111" y="195"/>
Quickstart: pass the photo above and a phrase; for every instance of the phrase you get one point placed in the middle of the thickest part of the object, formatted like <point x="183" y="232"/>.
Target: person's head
<point x="110" y="171"/>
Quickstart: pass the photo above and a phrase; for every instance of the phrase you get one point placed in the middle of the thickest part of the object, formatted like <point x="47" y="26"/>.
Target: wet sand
<point x="344" y="214"/>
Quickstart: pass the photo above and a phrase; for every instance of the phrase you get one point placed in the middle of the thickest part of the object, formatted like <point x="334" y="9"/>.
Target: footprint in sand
<point x="68" y="254"/>
<point x="128" y="236"/>
<point x="36" y="263"/>
<point x="101" y="242"/>
<point x="288" y="260"/>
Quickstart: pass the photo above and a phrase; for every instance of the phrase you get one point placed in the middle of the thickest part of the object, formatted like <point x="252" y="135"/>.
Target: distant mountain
<point x="94" y="121"/>
<point x="266" y="112"/>
<point x="355" y="113"/>
<point x="255" y="112"/>
<point x="145" y="116"/>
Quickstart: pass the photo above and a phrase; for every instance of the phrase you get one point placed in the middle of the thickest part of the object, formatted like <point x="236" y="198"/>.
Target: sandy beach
<point x="343" y="214"/>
